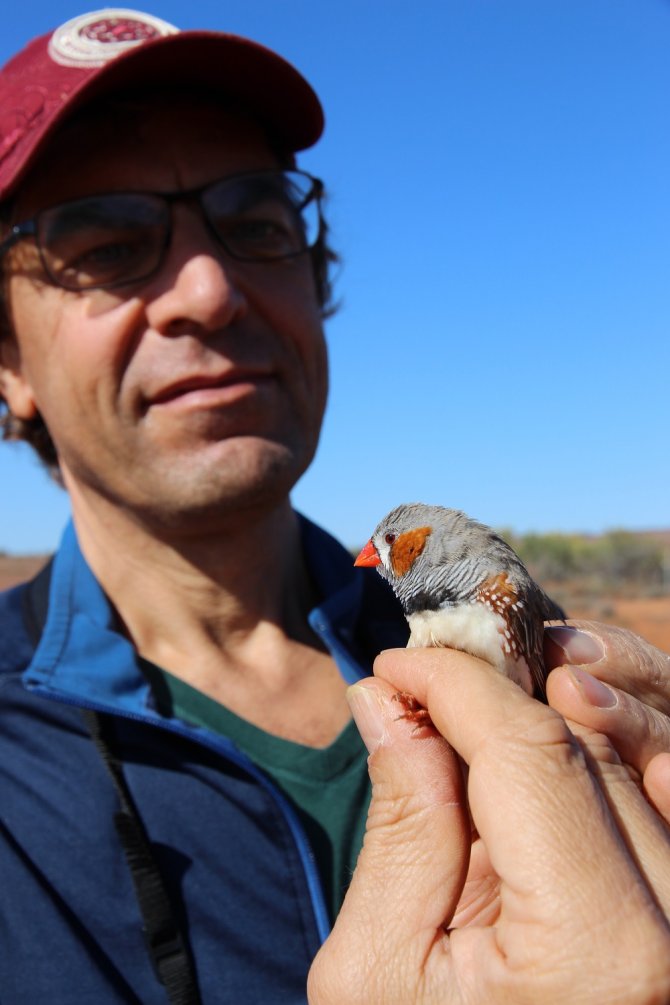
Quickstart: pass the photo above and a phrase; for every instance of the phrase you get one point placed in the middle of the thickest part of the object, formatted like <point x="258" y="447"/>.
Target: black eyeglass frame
<point x="30" y="228"/>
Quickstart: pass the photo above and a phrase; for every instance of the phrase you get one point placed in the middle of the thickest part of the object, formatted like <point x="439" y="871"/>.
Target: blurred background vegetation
<point x="621" y="577"/>
<point x="618" y="563"/>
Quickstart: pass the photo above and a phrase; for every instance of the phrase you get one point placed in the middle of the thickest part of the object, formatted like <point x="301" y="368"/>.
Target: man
<point x="171" y="343"/>
<point x="183" y="790"/>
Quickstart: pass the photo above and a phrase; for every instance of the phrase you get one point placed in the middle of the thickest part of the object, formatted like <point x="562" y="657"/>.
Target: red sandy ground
<point x="16" y="569"/>
<point x="648" y="616"/>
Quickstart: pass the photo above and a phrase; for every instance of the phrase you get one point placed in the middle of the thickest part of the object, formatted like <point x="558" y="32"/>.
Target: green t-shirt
<point x="329" y="786"/>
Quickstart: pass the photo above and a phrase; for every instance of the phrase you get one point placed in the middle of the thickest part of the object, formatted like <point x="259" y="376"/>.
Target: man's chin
<point x="241" y="478"/>
<point x="195" y="488"/>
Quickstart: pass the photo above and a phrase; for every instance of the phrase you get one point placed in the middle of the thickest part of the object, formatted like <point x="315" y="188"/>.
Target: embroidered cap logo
<point x="94" y="39"/>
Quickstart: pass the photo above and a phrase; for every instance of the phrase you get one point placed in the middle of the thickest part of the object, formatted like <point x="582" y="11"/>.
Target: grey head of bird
<point x="434" y="557"/>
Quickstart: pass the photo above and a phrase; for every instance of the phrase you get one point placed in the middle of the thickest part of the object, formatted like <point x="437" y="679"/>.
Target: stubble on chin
<point x="192" y="494"/>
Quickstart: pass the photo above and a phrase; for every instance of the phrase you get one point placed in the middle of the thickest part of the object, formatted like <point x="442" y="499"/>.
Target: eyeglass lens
<point x="103" y="240"/>
<point x="107" y="240"/>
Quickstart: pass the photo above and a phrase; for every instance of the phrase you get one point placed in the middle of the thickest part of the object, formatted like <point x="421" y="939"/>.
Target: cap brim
<point x="261" y="82"/>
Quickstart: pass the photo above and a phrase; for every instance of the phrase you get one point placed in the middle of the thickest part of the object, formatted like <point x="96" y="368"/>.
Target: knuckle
<point x="638" y="730"/>
<point x="540" y="744"/>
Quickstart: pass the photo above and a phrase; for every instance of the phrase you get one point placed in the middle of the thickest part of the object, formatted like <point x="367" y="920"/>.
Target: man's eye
<point x="256" y="230"/>
<point x="101" y="262"/>
<point x="271" y="231"/>
<point x="107" y="254"/>
<point x="270" y="237"/>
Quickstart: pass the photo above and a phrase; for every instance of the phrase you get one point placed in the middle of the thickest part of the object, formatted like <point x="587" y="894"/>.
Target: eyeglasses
<point x="117" y="238"/>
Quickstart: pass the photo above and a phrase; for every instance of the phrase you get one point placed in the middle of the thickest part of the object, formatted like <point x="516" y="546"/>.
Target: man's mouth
<point x="209" y="389"/>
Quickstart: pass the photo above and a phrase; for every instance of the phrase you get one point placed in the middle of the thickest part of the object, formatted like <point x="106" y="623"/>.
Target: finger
<point x="413" y="863"/>
<point x="417" y="797"/>
<point x="644" y="832"/>
<point x="657" y="784"/>
<point x="638" y="731"/>
<point x="614" y="655"/>
<point x="530" y="788"/>
<point x="640" y="734"/>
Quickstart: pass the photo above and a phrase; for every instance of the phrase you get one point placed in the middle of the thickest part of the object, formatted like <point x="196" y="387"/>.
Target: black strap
<point x="167" y="947"/>
<point x="35" y="602"/>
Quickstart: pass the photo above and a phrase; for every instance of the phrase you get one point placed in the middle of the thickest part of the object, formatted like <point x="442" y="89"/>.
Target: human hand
<point x="570" y="864"/>
<point x="632" y="708"/>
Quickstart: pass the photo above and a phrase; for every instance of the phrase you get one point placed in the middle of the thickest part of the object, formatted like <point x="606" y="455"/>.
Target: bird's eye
<point x="390" y="538"/>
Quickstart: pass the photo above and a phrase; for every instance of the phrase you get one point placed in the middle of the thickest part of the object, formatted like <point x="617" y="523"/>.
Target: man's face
<point x="199" y="391"/>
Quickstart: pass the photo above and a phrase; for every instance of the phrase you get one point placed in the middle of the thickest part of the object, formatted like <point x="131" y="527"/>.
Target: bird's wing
<point x="523" y="610"/>
<point x="539" y="608"/>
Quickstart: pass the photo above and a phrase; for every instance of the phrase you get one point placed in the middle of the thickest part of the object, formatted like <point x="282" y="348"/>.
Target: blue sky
<point x="500" y="194"/>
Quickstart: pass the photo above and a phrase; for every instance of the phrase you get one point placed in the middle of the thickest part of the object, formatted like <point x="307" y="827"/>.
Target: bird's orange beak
<point x="368" y="556"/>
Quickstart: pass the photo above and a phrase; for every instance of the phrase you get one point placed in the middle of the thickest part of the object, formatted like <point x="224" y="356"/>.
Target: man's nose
<point x="197" y="286"/>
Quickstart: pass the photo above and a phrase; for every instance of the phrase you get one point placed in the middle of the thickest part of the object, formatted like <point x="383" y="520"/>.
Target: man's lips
<point x="229" y="384"/>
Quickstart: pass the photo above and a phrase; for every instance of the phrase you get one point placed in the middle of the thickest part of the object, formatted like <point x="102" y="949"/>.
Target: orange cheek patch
<point x="406" y="549"/>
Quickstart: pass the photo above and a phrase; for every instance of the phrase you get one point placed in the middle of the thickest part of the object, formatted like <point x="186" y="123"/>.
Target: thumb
<point x="413" y="863"/>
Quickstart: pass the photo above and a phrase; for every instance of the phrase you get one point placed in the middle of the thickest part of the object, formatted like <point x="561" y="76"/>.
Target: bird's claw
<point x="414" y="712"/>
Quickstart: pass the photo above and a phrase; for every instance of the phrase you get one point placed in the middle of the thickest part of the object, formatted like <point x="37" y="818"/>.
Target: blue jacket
<point x="237" y="864"/>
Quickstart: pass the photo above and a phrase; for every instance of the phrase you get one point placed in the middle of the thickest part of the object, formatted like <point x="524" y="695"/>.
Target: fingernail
<point x="367" y="712"/>
<point x="595" y="692"/>
<point x="576" y="646"/>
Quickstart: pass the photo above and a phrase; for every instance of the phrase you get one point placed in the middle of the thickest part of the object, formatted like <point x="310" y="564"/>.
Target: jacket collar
<point x="82" y="656"/>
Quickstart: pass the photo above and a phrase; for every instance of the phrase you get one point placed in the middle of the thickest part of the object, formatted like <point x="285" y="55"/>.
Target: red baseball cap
<point x="108" y="50"/>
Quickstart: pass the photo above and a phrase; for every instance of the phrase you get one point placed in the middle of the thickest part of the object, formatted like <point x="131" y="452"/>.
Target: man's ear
<point x="14" y="387"/>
